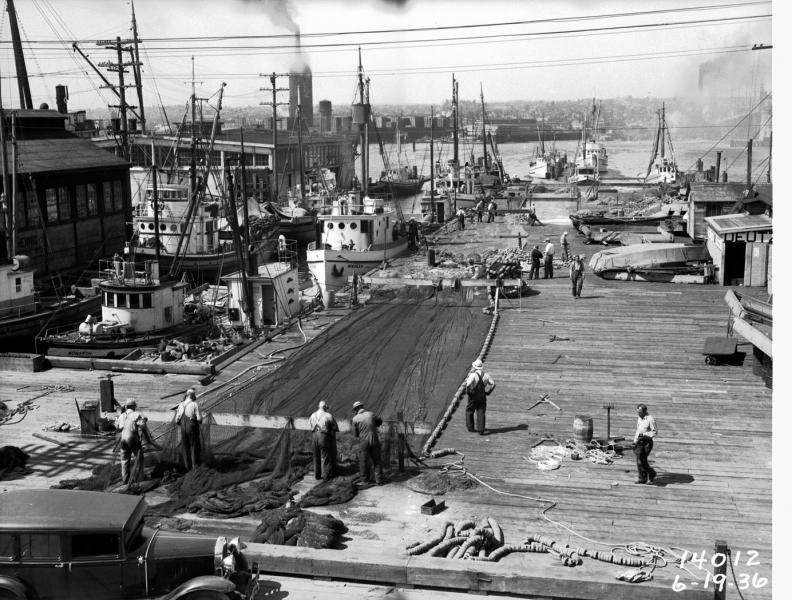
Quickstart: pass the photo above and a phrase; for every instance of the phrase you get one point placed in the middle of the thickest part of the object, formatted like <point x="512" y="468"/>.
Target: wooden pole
<point x="721" y="549"/>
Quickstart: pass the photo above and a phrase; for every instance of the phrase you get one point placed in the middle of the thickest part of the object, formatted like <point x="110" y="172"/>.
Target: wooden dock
<point x="622" y="343"/>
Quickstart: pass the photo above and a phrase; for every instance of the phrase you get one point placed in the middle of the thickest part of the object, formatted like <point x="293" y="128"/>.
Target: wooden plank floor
<point x="627" y="343"/>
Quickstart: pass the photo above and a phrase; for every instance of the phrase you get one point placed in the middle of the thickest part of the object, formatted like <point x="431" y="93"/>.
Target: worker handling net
<point x="404" y="356"/>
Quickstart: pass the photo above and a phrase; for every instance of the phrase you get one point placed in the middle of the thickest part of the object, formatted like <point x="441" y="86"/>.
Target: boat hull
<point x="397" y="189"/>
<point x="74" y="345"/>
<point x="332" y="268"/>
<point x="653" y="262"/>
<point x="19" y="332"/>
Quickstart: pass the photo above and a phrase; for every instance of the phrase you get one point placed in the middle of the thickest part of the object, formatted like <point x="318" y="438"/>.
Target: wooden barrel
<point x="583" y="429"/>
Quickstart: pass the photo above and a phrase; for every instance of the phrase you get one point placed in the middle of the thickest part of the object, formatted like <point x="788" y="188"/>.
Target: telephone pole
<point x="274" y="104"/>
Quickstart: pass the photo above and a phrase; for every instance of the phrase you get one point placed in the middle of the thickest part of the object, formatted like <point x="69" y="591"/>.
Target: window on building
<point x="107" y="197"/>
<point x="713" y="209"/>
<point x="39" y="546"/>
<point x="31" y="207"/>
<point x="134" y="301"/>
<point x="93" y="206"/>
<point x="82" y="201"/>
<point x="18" y="284"/>
<point x="87" y="545"/>
<point x="168" y="314"/>
<point x="118" y="196"/>
<point x="51" y="196"/>
<point x="64" y="203"/>
<point x="146" y="300"/>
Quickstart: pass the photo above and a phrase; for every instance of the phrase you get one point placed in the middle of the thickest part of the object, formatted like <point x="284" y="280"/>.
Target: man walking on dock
<point x="536" y="259"/>
<point x="480" y="210"/>
<point x="492" y="207"/>
<point x="645" y="432"/>
<point x="365" y="425"/>
<point x="461" y="218"/>
<point x="548" y="259"/>
<point x="324" y="428"/>
<point x="189" y="419"/>
<point x="478" y="385"/>
<point x="577" y="274"/>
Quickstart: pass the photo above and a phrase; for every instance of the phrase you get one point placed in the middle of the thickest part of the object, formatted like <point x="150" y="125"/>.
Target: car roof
<point x="68" y="510"/>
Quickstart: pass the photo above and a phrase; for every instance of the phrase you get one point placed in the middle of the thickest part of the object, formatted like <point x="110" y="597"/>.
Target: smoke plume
<point x="281" y="13"/>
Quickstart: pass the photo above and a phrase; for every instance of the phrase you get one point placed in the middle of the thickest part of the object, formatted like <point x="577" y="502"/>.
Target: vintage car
<point x="78" y="544"/>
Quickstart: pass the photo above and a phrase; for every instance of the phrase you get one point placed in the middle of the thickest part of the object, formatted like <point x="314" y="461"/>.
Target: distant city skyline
<point x="514" y="50"/>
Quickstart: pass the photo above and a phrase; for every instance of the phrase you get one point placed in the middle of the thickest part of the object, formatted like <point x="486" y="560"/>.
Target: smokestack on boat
<point x="61" y="98"/>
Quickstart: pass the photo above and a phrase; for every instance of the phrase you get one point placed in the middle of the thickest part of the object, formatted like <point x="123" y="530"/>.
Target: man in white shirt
<point x="564" y="248"/>
<point x="645" y="432"/>
<point x="548" y="259"/>
<point x="478" y="385"/>
<point x="133" y="429"/>
<point x="324" y="428"/>
<point x="189" y="419"/>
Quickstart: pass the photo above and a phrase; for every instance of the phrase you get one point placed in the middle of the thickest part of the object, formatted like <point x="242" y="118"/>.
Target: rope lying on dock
<point x="460" y="392"/>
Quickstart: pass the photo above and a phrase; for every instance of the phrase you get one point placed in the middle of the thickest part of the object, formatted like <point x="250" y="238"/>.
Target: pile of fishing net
<point x="438" y="482"/>
<point x="293" y="526"/>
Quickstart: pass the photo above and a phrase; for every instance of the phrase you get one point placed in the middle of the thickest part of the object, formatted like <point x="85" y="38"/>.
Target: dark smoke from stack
<point x="280" y="13"/>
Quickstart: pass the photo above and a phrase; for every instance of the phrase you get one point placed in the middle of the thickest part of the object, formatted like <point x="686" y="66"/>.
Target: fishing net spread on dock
<point x="406" y="352"/>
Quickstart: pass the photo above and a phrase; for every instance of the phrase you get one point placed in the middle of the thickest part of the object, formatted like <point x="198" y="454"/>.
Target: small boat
<point x="671" y="222"/>
<point x="662" y="168"/>
<point x="294" y="222"/>
<point x="23" y="315"/>
<point x="138" y="310"/>
<point x="652" y="262"/>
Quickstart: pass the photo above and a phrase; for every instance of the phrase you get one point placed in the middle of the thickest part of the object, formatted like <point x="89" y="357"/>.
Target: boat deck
<point x="622" y="343"/>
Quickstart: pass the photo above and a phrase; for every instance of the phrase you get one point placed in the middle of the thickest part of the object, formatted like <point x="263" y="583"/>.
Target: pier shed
<point x="275" y="295"/>
<point x="709" y="199"/>
<point x="740" y="246"/>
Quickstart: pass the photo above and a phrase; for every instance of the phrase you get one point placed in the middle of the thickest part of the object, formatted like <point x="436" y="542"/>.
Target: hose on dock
<point x="460" y="392"/>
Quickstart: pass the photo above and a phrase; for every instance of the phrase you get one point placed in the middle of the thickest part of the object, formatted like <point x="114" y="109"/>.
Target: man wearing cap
<point x="133" y="429"/>
<point x="365" y="425"/>
<point x="564" y="248"/>
<point x="189" y="419"/>
<point x="478" y="385"/>
<point x="412" y="233"/>
<point x="577" y="274"/>
<point x="324" y="428"/>
<point x="645" y="432"/>
<point x="548" y="259"/>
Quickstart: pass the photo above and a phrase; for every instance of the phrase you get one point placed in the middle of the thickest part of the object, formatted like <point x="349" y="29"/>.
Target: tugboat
<point x="138" y="309"/>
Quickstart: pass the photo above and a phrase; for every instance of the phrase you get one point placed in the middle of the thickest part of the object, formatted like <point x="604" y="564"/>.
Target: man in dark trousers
<point x="412" y="233"/>
<point x="645" y="432"/>
<point x="536" y="260"/>
<point x="480" y="210"/>
<point x="478" y="385"/>
<point x="324" y="428"/>
<point x="577" y="274"/>
<point x="133" y="431"/>
<point x="189" y="419"/>
<point x="365" y="425"/>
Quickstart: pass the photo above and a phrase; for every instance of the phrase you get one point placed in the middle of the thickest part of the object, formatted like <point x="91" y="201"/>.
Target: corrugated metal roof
<point x="63" y="154"/>
<point x="741" y="222"/>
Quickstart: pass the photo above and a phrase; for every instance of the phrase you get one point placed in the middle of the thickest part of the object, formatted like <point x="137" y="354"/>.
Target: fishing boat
<point x="652" y="262"/>
<point x="138" y="310"/>
<point x="23" y="314"/>
<point x="662" y="168"/>
<point x="399" y="181"/>
<point x="546" y="163"/>
<point x="294" y="222"/>
<point x="592" y="154"/>
<point x="357" y="232"/>
<point x="671" y="222"/>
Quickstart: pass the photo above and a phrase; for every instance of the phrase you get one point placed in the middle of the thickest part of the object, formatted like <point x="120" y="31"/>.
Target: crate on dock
<point x="22" y="361"/>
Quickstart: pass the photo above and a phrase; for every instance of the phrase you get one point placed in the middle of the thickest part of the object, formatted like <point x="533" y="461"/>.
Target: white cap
<point x="477" y="364"/>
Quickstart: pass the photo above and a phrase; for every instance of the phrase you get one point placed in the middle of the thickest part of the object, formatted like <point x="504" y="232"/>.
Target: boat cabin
<point x="741" y="248"/>
<point x="135" y="300"/>
<point x="17" y="297"/>
<point x="173" y="201"/>
<point x="369" y="225"/>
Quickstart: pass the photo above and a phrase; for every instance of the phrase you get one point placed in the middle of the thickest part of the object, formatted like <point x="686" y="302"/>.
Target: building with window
<point x="72" y="203"/>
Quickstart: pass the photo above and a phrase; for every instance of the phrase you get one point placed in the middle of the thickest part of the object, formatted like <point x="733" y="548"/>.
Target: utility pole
<point x="275" y="89"/>
<point x="136" y="69"/>
<point x="120" y="46"/>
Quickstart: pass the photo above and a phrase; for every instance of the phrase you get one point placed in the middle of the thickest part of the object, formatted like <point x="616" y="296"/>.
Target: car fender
<point x="204" y="583"/>
<point x="18" y="588"/>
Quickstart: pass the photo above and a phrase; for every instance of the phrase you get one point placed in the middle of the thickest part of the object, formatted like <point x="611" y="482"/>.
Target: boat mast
<point x="484" y="131"/>
<point x="193" y="135"/>
<point x="136" y="70"/>
<point x="25" y="99"/>
<point x="245" y="216"/>
<point x="662" y="131"/>
<point x="8" y="198"/>
<point x="156" y="215"/>
<point x="455" y="108"/>
<point x="363" y="122"/>
<point x="431" y="164"/>
<point x="300" y="157"/>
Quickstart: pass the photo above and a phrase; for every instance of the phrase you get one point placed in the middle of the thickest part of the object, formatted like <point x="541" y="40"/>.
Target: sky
<point x="515" y="50"/>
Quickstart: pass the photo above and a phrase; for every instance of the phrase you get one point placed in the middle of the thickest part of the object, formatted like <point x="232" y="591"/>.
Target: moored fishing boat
<point x="662" y="168"/>
<point x="138" y="309"/>
<point x="23" y="314"/>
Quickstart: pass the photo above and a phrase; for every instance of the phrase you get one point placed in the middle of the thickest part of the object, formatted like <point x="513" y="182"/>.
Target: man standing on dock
<point x="324" y="428"/>
<point x="133" y="429"/>
<point x="478" y="385"/>
<point x="480" y="210"/>
<point x="492" y="208"/>
<point x="365" y="425"/>
<point x="536" y="259"/>
<point x="577" y="274"/>
<point x="461" y="218"/>
<point x="564" y="248"/>
<point x="412" y="233"/>
<point x="548" y="259"/>
<point x="645" y="433"/>
<point x="189" y="419"/>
